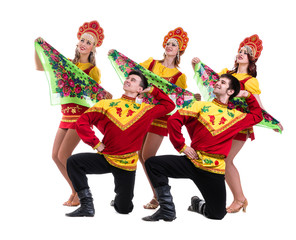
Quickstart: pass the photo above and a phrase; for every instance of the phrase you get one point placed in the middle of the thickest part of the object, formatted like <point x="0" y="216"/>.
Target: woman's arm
<point x="260" y="103"/>
<point x="258" y="100"/>
<point x="38" y="63"/>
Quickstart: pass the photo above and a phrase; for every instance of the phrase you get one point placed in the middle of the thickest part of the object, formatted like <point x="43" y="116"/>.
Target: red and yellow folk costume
<point x="173" y="75"/>
<point x="71" y="112"/>
<point x="124" y="123"/>
<point x="211" y="127"/>
<point x="248" y="82"/>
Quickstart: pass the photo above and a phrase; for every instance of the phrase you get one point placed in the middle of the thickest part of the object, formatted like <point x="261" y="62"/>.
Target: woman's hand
<point x="110" y="51"/>
<point x="108" y="95"/>
<point x="280" y="126"/>
<point x="194" y="61"/>
<point x="197" y="96"/>
<point x="38" y="63"/>
<point x="39" y="39"/>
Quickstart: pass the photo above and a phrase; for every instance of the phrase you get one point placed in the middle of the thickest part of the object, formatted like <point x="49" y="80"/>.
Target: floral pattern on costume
<point x="67" y="83"/>
<point x="124" y="65"/>
<point x="205" y="78"/>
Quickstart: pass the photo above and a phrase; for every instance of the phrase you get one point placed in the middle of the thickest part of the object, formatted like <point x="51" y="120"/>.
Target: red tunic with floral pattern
<point x="124" y="123"/>
<point x="211" y="127"/>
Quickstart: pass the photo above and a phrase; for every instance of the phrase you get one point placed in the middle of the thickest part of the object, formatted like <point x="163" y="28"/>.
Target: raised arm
<point x="166" y="104"/>
<point x="38" y="63"/>
<point x="255" y="115"/>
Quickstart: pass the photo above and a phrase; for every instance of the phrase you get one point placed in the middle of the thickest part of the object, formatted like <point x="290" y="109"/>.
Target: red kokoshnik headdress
<point x="180" y="35"/>
<point x="254" y="43"/>
<point x="93" y="28"/>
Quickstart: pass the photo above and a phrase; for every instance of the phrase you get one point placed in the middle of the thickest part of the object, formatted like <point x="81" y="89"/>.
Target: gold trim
<point x="159" y="123"/>
<point x="187" y="113"/>
<point x="213" y="155"/>
<point x="70" y="118"/>
<point x="223" y="128"/>
<point x="95" y="147"/>
<point x="219" y="104"/>
<point x="128" y="166"/>
<point x="206" y="161"/>
<point x="212" y="170"/>
<point x="183" y="149"/>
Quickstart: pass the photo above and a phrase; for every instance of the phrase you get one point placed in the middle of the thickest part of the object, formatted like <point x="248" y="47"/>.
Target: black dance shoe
<point x="86" y="208"/>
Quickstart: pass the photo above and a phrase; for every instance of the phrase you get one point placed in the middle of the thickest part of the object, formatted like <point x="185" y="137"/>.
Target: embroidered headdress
<point x="253" y="45"/>
<point x="92" y="30"/>
<point x="180" y="36"/>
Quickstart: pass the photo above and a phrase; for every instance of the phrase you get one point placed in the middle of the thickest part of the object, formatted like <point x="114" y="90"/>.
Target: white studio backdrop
<point x="33" y="190"/>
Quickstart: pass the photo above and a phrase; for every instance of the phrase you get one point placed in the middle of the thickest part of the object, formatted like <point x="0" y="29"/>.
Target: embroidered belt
<point x="127" y="161"/>
<point x="210" y="162"/>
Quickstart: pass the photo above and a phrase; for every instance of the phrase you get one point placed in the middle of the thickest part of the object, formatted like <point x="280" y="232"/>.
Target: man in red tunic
<point x="211" y="127"/>
<point x="124" y="123"/>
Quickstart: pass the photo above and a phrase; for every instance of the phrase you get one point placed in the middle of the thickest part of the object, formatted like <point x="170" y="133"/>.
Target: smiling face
<point x="221" y="87"/>
<point x="86" y="44"/>
<point x="172" y="47"/>
<point x="132" y="84"/>
<point x="242" y="56"/>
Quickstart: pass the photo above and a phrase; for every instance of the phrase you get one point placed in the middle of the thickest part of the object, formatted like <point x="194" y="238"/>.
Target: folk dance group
<point x="134" y="131"/>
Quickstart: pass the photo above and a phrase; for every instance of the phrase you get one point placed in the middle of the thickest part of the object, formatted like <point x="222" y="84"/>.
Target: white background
<point x="33" y="190"/>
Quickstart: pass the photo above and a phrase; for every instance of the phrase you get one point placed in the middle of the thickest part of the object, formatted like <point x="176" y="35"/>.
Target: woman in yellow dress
<point x="175" y="43"/>
<point x="90" y="36"/>
<point x="245" y="71"/>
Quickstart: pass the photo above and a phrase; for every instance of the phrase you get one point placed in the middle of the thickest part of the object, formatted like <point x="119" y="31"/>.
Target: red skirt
<point x="71" y="112"/>
<point x="159" y="126"/>
<point x="245" y="134"/>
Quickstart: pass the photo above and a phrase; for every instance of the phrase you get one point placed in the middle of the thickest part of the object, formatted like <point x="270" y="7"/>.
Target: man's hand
<point x="190" y="153"/>
<point x="242" y="93"/>
<point x="145" y="90"/>
<point x="101" y="147"/>
<point x="141" y="93"/>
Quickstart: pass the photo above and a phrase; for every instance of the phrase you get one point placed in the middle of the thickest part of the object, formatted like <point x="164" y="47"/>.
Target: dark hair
<point x="233" y="84"/>
<point x="144" y="81"/>
<point x="252" y="68"/>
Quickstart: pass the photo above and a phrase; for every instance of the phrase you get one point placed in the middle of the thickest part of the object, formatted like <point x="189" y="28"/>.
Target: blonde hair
<point x="91" y="57"/>
<point x="176" y="61"/>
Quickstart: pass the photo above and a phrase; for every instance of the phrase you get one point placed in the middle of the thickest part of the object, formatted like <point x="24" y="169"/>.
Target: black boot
<point x="86" y="205"/>
<point x="197" y="205"/>
<point x="166" y="209"/>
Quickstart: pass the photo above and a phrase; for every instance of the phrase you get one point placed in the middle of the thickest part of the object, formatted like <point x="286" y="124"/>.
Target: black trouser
<point x="79" y="165"/>
<point x="211" y="185"/>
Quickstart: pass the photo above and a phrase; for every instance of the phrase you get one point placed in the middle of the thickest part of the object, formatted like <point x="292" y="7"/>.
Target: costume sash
<point x="205" y="78"/>
<point x="123" y="65"/>
<point x="67" y="83"/>
<point x="127" y="161"/>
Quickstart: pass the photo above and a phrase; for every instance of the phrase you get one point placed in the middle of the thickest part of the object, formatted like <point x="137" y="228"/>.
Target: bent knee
<point x="218" y="215"/>
<point x="150" y="161"/>
<point x="71" y="162"/>
<point x="55" y="156"/>
<point x="123" y="209"/>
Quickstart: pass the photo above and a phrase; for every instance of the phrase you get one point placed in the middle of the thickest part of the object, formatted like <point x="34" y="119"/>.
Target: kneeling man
<point x="124" y="123"/>
<point x="211" y="127"/>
